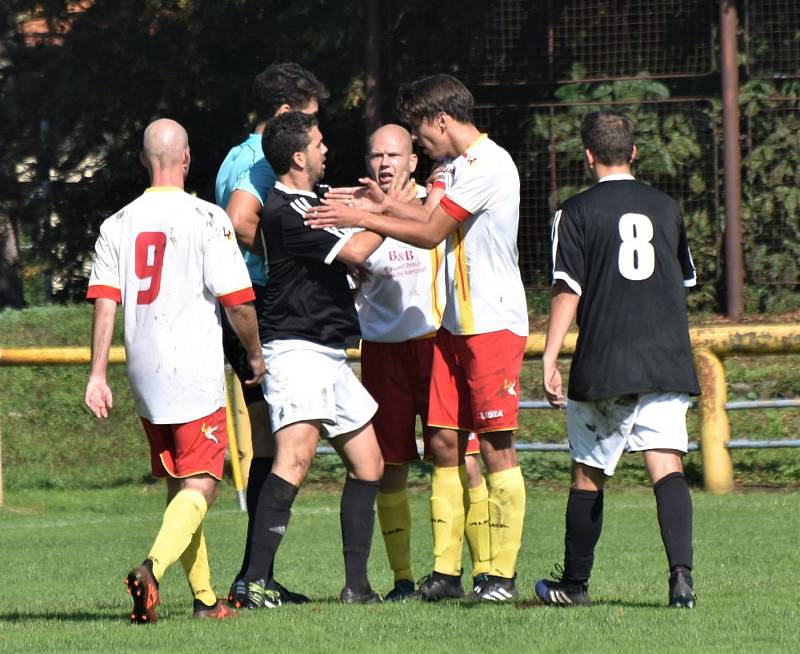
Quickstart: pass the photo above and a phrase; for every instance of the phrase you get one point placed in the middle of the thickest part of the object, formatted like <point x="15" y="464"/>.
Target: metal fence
<point x="771" y="193"/>
<point x="544" y="140"/>
<point x="527" y="62"/>
<point x="772" y="38"/>
<point x="505" y="42"/>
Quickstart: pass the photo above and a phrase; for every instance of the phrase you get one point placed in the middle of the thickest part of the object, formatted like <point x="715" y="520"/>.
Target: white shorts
<point x="308" y="381"/>
<point x="601" y="430"/>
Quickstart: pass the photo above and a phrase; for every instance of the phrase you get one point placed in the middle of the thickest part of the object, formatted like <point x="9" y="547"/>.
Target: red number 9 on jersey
<point x="150" y="248"/>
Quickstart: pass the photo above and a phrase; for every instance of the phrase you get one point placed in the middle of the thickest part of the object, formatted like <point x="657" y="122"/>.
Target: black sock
<point x="259" y="470"/>
<point x="272" y="515"/>
<point x="584" y="520"/>
<point x="674" y="504"/>
<point x="357" y="516"/>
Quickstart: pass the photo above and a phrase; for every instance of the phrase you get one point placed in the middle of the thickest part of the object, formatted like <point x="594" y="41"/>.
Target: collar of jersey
<point x="615" y="177"/>
<point x="163" y="189"/>
<point x="478" y="140"/>
<point x="294" y="191"/>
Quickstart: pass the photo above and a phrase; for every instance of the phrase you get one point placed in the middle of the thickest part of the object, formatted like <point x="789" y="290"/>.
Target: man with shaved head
<point x="400" y="307"/>
<point x="169" y="258"/>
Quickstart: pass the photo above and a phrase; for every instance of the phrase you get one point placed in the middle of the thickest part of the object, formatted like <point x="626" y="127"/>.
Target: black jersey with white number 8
<point x="621" y="245"/>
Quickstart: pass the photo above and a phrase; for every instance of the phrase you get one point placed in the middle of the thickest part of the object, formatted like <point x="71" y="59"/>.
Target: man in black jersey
<point x="243" y="182"/>
<point x="621" y="262"/>
<point x="306" y="320"/>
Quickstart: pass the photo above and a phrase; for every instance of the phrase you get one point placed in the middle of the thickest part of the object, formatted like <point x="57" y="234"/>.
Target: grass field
<point x="65" y="554"/>
<point x="65" y="551"/>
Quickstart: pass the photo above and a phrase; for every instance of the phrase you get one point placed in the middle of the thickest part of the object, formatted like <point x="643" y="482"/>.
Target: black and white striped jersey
<point x="621" y="246"/>
<point x="308" y="296"/>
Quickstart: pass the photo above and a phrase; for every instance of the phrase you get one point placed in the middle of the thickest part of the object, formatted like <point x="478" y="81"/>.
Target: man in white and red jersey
<point x="169" y="258"/>
<point x="400" y="306"/>
<point x="478" y="354"/>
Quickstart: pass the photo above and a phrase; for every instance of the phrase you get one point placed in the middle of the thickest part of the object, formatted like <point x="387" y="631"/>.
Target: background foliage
<point x="80" y="79"/>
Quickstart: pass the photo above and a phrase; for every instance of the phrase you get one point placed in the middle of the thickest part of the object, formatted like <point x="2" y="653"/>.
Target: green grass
<point x="65" y="554"/>
<point x="50" y="440"/>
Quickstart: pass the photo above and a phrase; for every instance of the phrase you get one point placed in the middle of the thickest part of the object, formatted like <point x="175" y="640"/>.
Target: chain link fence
<point x="537" y="66"/>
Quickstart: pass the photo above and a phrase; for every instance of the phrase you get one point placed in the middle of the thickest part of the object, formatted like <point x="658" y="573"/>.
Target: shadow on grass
<point x="535" y="604"/>
<point x="62" y="616"/>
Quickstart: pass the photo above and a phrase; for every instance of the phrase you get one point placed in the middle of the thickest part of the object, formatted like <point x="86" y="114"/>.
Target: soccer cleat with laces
<point x="143" y="588"/>
<point x="349" y="596"/>
<point x="403" y="591"/>
<point x="562" y="593"/>
<point x="257" y="594"/>
<point x="497" y="589"/>
<point x="437" y="586"/>
<point x="478" y="581"/>
<point x="681" y="589"/>
<point x="238" y="593"/>
<point x="217" y="612"/>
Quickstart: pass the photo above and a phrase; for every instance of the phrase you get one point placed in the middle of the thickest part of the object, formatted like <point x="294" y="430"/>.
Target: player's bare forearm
<point x="563" y="307"/>
<point x="434" y="198"/>
<point x="358" y="248"/>
<point x="244" y="210"/>
<point x="242" y="318"/>
<point x="98" y="395"/>
<point x="426" y="234"/>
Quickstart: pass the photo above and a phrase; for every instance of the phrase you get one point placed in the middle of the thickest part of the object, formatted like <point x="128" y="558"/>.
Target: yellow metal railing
<point x="711" y="345"/>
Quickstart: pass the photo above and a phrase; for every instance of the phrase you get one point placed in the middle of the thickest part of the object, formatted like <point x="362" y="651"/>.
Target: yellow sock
<point x="198" y="573"/>
<point x="477" y="529"/>
<point x="506" y="515"/>
<point x="447" y="517"/>
<point x="394" y="515"/>
<point x="182" y="519"/>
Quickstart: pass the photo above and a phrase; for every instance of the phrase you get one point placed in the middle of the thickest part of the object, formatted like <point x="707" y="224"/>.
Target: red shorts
<point x="475" y="381"/>
<point x="189" y="448"/>
<point x="398" y="376"/>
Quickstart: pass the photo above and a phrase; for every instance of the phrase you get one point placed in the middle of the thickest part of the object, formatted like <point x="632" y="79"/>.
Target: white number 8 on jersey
<point x="637" y="258"/>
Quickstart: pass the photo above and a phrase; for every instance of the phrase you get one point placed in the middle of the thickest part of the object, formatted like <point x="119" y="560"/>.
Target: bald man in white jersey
<point x="169" y="258"/>
<point x="400" y="307"/>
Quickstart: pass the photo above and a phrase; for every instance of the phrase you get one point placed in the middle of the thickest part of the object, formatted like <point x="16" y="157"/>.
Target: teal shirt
<point x="246" y="169"/>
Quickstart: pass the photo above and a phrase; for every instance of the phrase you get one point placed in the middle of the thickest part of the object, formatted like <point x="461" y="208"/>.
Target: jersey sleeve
<point x="685" y="258"/>
<point x="568" y="259"/>
<point x="468" y="192"/>
<point x="104" y="281"/>
<point x="224" y="271"/>
<point x="257" y="180"/>
<point x="301" y="241"/>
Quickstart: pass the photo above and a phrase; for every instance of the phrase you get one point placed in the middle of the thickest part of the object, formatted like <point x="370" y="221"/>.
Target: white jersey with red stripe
<point x="403" y="298"/>
<point x="484" y="289"/>
<point x="168" y="257"/>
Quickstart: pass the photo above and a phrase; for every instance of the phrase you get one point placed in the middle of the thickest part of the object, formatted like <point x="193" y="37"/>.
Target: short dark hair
<point x="283" y="136"/>
<point x="422" y="100"/>
<point x="285" y="83"/>
<point x="609" y="136"/>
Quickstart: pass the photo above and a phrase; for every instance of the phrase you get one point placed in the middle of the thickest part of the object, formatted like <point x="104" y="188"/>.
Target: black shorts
<point x="236" y="355"/>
